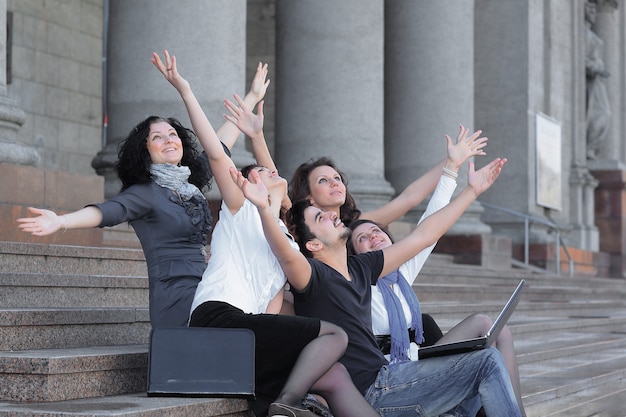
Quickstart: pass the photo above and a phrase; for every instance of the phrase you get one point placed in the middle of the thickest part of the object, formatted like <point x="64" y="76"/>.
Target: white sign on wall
<point x="549" y="175"/>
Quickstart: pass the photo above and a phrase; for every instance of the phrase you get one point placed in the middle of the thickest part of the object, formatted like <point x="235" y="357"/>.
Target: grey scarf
<point x="174" y="178"/>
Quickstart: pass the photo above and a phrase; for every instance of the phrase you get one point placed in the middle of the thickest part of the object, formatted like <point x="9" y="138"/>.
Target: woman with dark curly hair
<point x="162" y="175"/>
<point x="243" y="283"/>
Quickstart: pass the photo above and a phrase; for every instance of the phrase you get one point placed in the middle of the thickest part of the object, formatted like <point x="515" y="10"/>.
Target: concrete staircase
<point x="74" y="331"/>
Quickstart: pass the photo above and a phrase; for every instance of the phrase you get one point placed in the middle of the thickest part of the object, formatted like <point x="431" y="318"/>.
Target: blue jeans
<point x="434" y="386"/>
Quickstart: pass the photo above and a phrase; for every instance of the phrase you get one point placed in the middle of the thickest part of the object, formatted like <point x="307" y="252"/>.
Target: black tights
<point x="317" y="370"/>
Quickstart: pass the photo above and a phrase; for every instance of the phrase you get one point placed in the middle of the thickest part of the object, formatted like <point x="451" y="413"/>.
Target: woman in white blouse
<point x="396" y="315"/>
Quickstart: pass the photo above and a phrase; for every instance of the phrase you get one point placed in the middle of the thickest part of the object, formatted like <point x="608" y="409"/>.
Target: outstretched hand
<point x="169" y="70"/>
<point x="259" y="82"/>
<point x="482" y="179"/>
<point x="46" y="223"/>
<point x="465" y="147"/>
<point x="249" y="123"/>
<point x="254" y="190"/>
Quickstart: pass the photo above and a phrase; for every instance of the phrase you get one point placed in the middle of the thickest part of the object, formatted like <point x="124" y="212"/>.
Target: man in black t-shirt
<point x="330" y="285"/>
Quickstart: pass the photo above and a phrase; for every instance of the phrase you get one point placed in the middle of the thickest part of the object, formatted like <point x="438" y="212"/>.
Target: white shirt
<point x="410" y="269"/>
<point x="242" y="269"/>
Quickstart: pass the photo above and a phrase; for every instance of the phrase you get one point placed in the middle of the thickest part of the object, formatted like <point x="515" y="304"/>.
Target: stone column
<point x="510" y="73"/>
<point x="607" y="28"/>
<point x="508" y="96"/>
<point x="429" y="90"/>
<point x="329" y="90"/>
<point x="208" y="39"/>
<point x="11" y="115"/>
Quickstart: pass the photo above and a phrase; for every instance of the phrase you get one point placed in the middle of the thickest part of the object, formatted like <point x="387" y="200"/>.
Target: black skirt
<point x="279" y="339"/>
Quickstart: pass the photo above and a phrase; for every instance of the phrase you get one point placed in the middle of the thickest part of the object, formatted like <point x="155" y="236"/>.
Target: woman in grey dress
<point x="162" y="176"/>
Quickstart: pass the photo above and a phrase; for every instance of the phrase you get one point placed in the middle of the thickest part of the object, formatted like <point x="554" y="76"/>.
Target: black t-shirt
<point x="330" y="297"/>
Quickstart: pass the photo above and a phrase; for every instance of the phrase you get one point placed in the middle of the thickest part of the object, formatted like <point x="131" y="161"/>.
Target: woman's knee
<point x="330" y="329"/>
<point x="481" y="322"/>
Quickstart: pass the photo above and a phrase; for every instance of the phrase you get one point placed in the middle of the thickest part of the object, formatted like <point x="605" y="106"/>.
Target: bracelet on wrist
<point x="450" y="172"/>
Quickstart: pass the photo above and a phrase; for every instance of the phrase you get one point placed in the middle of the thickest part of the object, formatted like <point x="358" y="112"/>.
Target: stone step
<point x="68" y="313"/>
<point x="469" y="276"/>
<point x="71" y="373"/>
<point x="130" y="405"/>
<point x="33" y="328"/>
<point x="469" y="272"/>
<point x="64" y="259"/>
<point x="569" y="377"/>
<point x="533" y="354"/>
<point x="582" y="362"/>
<point x="615" y="324"/>
<point x="538" y="349"/>
<point x="569" y="337"/>
<point x="472" y="274"/>
<point x="26" y="329"/>
<point x="71" y="290"/>
<point x="602" y="401"/>
<point x="457" y="310"/>
<point x="481" y="292"/>
<point x="78" y="290"/>
<point x="572" y="383"/>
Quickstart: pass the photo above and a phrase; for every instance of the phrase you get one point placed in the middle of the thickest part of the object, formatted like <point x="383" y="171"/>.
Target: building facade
<point x="373" y="84"/>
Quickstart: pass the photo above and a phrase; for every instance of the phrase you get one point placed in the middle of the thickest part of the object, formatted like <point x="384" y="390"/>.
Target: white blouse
<point x="380" y="320"/>
<point x="242" y="269"/>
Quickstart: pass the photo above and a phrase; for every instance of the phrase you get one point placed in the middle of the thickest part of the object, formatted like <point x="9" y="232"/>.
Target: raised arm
<point x="47" y="222"/>
<point x="252" y="126"/>
<point x="219" y="161"/>
<point x="440" y="198"/>
<point x="459" y="152"/>
<point x="434" y="226"/>
<point x="228" y="132"/>
<point x="293" y="263"/>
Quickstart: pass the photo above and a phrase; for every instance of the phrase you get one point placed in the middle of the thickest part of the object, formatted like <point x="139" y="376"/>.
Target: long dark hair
<point x="299" y="188"/>
<point x="133" y="159"/>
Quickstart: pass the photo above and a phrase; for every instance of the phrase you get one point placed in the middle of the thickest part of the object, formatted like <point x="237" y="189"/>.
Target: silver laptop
<point x="479" y="342"/>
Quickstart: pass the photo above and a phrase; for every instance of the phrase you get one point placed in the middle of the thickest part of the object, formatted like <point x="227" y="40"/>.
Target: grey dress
<point x="173" y="234"/>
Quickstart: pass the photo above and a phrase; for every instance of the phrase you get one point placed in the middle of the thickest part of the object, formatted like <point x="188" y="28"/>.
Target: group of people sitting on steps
<point x="323" y="286"/>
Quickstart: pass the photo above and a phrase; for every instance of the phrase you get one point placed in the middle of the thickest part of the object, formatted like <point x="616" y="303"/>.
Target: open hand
<point x="46" y="223"/>
<point x="254" y="190"/>
<point x="249" y="123"/>
<point x="482" y="179"/>
<point x="169" y="70"/>
<point x="465" y="147"/>
<point x="259" y="82"/>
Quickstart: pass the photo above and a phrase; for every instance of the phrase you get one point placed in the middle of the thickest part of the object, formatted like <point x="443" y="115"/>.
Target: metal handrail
<point x="527" y="220"/>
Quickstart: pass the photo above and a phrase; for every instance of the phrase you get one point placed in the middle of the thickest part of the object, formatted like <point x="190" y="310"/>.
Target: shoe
<point x="284" y="410"/>
<point x="311" y="403"/>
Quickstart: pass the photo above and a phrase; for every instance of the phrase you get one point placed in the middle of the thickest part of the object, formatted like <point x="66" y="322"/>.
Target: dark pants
<point x="432" y="332"/>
